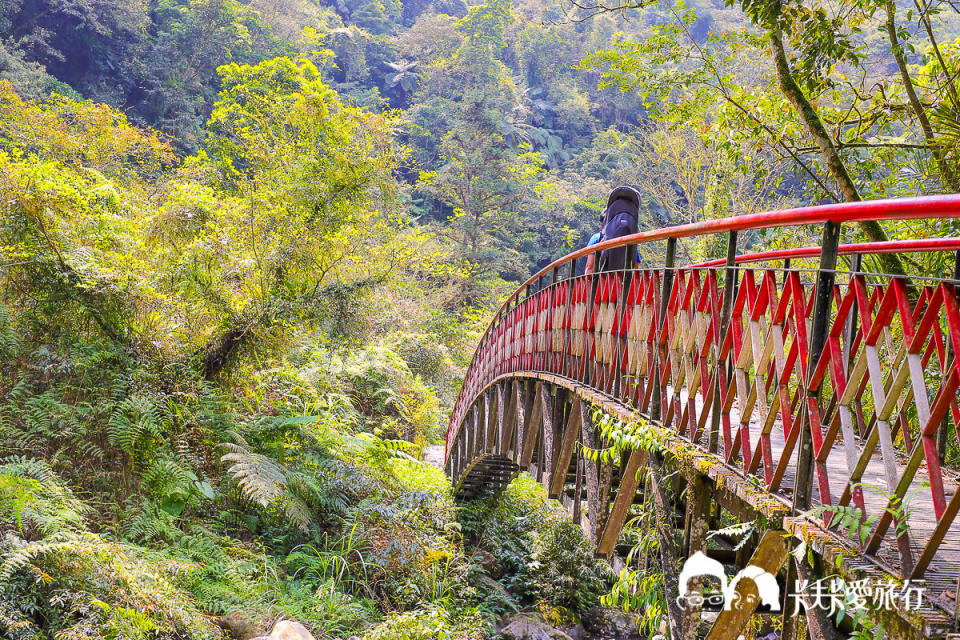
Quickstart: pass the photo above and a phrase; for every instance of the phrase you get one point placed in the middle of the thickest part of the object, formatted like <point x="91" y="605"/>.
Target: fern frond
<point x="9" y="340"/>
<point x="263" y="481"/>
<point x="32" y="495"/>
<point x="260" y="478"/>
<point x="72" y="542"/>
<point x="133" y="418"/>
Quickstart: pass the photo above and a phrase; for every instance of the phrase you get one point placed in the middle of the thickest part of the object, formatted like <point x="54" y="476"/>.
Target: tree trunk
<point x="221" y="349"/>
<point x="819" y="626"/>
<point x="838" y="170"/>
<point x="948" y="79"/>
<point x="663" y="518"/>
<point x="809" y="116"/>
<point x="946" y="171"/>
<point x="697" y="527"/>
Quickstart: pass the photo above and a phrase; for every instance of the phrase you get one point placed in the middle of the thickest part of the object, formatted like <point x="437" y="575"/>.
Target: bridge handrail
<point x="924" y="245"/>
<point x="919" y="208"/>
<point x="916" y="208"/>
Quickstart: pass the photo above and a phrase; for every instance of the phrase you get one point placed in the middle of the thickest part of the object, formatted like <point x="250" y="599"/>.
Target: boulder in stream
<point x="287" y="630"/>
<point x="525" y="626"/>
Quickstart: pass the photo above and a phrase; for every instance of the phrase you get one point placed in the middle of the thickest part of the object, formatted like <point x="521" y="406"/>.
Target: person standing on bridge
<point x="618" y="219"/>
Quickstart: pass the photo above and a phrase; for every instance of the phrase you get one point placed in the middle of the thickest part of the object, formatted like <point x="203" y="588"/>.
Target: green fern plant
<point x="9" y="340"/>
<point x="135" y="422"/>
<point x="264" y="481"/>
<point x="146" y="521"/>
<point x="91" y="587"/>
<point x="35" y="500"/>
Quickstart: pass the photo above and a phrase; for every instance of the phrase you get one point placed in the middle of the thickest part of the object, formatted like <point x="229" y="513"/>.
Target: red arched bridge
<point x="803" y="391"/>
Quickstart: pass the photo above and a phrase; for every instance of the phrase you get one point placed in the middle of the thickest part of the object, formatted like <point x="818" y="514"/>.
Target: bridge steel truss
<point x="785" y="390"/>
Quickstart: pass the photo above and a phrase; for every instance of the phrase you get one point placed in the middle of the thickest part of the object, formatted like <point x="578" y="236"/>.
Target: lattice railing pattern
<point x="721" y="354"/>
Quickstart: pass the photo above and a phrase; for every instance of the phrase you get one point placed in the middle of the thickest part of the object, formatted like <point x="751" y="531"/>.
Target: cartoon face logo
<point x="768" y="591"/>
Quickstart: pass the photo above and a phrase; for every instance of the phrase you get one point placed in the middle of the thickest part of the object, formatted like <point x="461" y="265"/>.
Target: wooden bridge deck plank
<point x="941" y="577"/>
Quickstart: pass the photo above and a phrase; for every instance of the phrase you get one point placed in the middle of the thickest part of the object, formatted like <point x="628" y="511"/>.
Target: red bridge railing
<point x="826" y="385"/>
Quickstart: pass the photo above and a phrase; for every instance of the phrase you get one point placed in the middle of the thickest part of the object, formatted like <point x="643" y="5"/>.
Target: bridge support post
<point x="469" y="435"/>
<point x="457" y="459"/>
<point x="819" y="326"/>
<point x="770" y="555"/>
<point x="531" y="424"/>
<point x="791" y="623"/>
<point x="697" y="515"/>
<point x="819" y="626"/>
<point x="629" y="482"/>
<point x="663" y="520"/>
<point x="493" y="418"/>
<point x="597" y="479"/>
<point x="488" y="422"/>
<point x="464" y="451"/>
<point x="567" y="449"/>
<point x="545" y="467"/>
<point x="480" y="426"/>
<point x="500" y="400"/>
<point x="515" y="428"/>
<point x="506" y="400"/>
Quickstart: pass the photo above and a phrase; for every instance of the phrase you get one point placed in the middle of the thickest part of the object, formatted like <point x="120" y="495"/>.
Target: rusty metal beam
<point x="571" y="436"/>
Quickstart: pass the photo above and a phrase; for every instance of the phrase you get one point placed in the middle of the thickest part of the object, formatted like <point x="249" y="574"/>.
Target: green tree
<point x="486" y="23"/>
<point x="478" y="181"/>
<point x="171" y="73"/>
<point x="308" y="172"/>
<point x="816" y="106"/>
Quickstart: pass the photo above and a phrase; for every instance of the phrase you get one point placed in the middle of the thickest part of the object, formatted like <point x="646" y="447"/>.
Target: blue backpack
<point x="619" y="219"/>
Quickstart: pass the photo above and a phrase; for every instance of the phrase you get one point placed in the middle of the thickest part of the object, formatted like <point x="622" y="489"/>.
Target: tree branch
<point x="835" y="164"/>
<point x="946" y="171"/>
<point x="726" y="96"/>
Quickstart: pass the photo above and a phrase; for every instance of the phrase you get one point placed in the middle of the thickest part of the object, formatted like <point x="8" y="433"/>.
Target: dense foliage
<point x="218" y="372"/>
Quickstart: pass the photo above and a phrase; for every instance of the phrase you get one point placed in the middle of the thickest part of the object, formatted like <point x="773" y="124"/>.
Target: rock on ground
<point x="602" y="622"/>
<point x="288" y="630"/>
<point x="241" y="626"/>
<point x="527" y="627"/>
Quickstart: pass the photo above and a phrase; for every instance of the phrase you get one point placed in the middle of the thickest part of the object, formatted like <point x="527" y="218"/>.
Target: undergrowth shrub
<point x="428" y="358"/>
<point x="58" y="579"/>
<point x="429" y="623"/>
<point x="562" y="571"/>
<point x="530" y="545"/>
<point x="103" y="421"/>
<point x="372" y="389"/>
